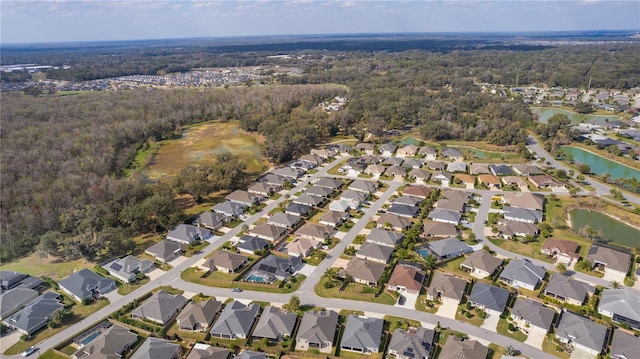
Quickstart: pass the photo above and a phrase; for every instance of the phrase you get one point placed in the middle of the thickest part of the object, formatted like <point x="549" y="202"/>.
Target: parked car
<point x="237" y="290"/>
<point x="29" y="351"/>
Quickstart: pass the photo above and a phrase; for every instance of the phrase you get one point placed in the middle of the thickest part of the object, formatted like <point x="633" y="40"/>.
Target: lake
<point x="609" y="229"/>
<point x="545" y="113"/>
<point x="600" y="165"/>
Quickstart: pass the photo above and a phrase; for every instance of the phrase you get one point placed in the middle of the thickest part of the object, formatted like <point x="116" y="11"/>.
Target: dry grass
<point x="51" y="267"/>
<point x="200" y="145"/>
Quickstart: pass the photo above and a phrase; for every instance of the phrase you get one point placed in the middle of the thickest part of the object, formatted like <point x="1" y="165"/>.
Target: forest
<point x="63" y="158"/>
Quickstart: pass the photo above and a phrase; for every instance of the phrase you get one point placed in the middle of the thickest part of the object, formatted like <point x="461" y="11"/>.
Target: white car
<point x="29" y="351"/>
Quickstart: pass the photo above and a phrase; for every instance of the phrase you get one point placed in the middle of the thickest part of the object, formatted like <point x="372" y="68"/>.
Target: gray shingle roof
<point x="251" y="244"/>
<point x="566" y="287"/>
<point x="363" y="186"/>
<point x="84" y="282"/>
<point x="523" y="271"/>
<point x="154" y="348"/>
<point x="384" y="237"/>
<point x="274" y="323"/>
<point x="201" y="313"/>
<point x="482" y="260"/>
<point x="363" y="333"/>
<point x="364" y="270"/>
<point x="204" y="351"/>
<point x="623" y="302"/>
<point x="491" y="297"/>
<point x="522" y="214"/>
<point x="13" y="300"/>
<point x="235" y="320"/>
<point x="624" y="345"/>
<point x="188" y="233"/>
<point x="329" y="183"/>
<point x="534" y="312"/>
<point x="283" y="220"/>
<point x="110" y="344"/>
<point x="248" y="354"/>
<point x="582" y="331"/>
<point x="228" y="208"/>
<point x="448" y="286"/>
<point x="165" y="249"/>
<point x="318" y="326"/>
<point x="444" y="215"/>
<point x="226" y="260"/>
<point x="35" y="315"/>
<point x="161" y="307"/>
<point x="455" y="348"/>
<point x="376" y="251"/>
<point x="449" y="247"/>
<point x="279" y="266"/>
<point x="412" y="344"/>
<point x="611" y="258"/>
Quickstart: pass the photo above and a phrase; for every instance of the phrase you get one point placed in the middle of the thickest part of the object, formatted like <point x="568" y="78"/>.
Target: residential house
<point x="279" y="267"/>
<point x="331" y="183"/>
<point x="522" y="214"/>
<point x="384" y="237"/>
<point x="491" y="181"/>
<point x="397" y="173"/>
<point x="288" y="172"/>
<point x="407" y="278"/>
<point x="510" y="229"/>
<point x="154" y="348"/>
<point x="198" y="316"/>
<point x="126" y="269"/>
<point x="375" y="170"/>
<point x="454" y="167"/>
<point x="317" y="331"/>
<point x="478" y="169"/>
<point x="622" y="305"/>
<point x="527" y="200"/>
<point x="352" y="169"/>
<point x="228" y="209"/>
<point x="392" y="221"/>
<point x="413" y="343"/>
<point x="529" y="314"/>
<point x="374" y="252"/>
<point x="205" y="351"/>
<point x="284" y="220"/>
<point x="319" y="191"/>
<point x="275" y="180"/>
<point x="188" y="234"/>
<point x="355" y="198"/>
<point x="85" y="284"/>
<point x="318" y="232"/>
<point x="393" y="161"/>
<point x="244" y="198"/>
<point x="428" y="153"/>
<point x="489" y="298"/>
<point x="261" y="189"/>
<point x="365" y="147"/>
<point x="448" y="248"/>
<point x="297" y="209"/>
<point x="452" y="154"/>
<point x="451" y="205"/>
<point x="362" y="334"/>
<point x="481" y="264"/>
<point x="624" y="345"/>
<point x="609" y="260"/>
<point x="444" y="216"/>
<point x="522" y="273"/>
<point x="403" y="210"/>
<point x="302" y="247"/>
<point x="252" y="245"/>
<point x="160" y="308"/>
<point x="436" y="165"/>
<point x="225" y="262"/>
<point x="567" y="289"/>
<point x="407" y="151"/>
<point x="334" y="218"/>
<point x="15" y="299"/>
<point x="408" y="201"/>
<point x="36" y="314"/>
<point x="561" y="250"/>
<point x="438" y="229"/>
<point x="340" y="206"/>
<point x="545" y="181"/>
<point x="420" y="175"/>
<point x="363" y="271"/>
<point x="275" y="324"/>
<point x="363" y="186"/>
<point x="114" y="342"/>
<point x="309" y="200"/>
<point x="500" y="170"/>
<point x="515" y="181"/>
<point x="581" y="333"/>
<point x="269" y="232"/>
<point x="165" y="251"/>
<point x="387" y="149"/>
<point x="526" y="170"/>
<point x="442" y="178"/>
<point x="235" y="321"/>
<point x="455" y="348"/>
<point x="210" y="220"/>
<point x="11" y="279"/>
<point x="466" y="179"/>
<point x="413" y="163"/>
<point x="446" y="288"/>
<point x="312" y="159"/>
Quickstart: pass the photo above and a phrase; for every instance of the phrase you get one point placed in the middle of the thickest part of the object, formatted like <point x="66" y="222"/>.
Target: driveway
<point x="535" y="338"/>
<point x="9" y="339"/>
<point x="610" y="277"/>
<point x="409" y="301"/>
<point x="580" y="354"/>
<point x="490" y="322"/>
<point x="448" y="309"/>
<point x="307" y="270"/>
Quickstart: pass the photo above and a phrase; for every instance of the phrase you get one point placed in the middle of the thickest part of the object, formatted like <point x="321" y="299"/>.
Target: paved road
<point x="600" y="188"/>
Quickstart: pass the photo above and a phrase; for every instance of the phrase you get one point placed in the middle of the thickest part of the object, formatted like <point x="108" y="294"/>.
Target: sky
<point x="28" y="21"/>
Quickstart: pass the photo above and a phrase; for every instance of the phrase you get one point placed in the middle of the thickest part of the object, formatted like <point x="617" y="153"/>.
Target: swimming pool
<point x="255" y="278"/>
<point x="423" y="252"/>
<point x="90" y="338"/>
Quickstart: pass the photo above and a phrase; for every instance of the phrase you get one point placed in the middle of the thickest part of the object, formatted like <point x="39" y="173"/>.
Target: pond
<point x="607" y="227"/>
<point x="410" y="140"/>
<point x="600" y="165"/>
<point x="545" y="113"/>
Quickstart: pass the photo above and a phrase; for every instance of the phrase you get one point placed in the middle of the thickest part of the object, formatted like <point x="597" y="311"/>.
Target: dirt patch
<point x="340" y="263"/>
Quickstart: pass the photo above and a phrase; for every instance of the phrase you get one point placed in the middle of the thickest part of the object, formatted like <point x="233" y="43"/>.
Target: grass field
<point x="50" y="267"/>
<point x="200" y="144"/>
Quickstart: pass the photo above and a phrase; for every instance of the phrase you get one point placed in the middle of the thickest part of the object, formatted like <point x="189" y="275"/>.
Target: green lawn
<point x="51" y="267"/>
<point x="195" y="249"/>
<point x="192" y="275"/>
<point x="550" y="346"/>
<point x="503" y="328"/>
<point x="49" y="354"/>
<point x="315" y="258"/>
<point x="421" y="305"/>
<point x="334" y="170"/>
<point x="126" y="288"/>
<point x="352" y="291"/>
<point x="392" y="323"/>
<point x="475" y="318"/>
